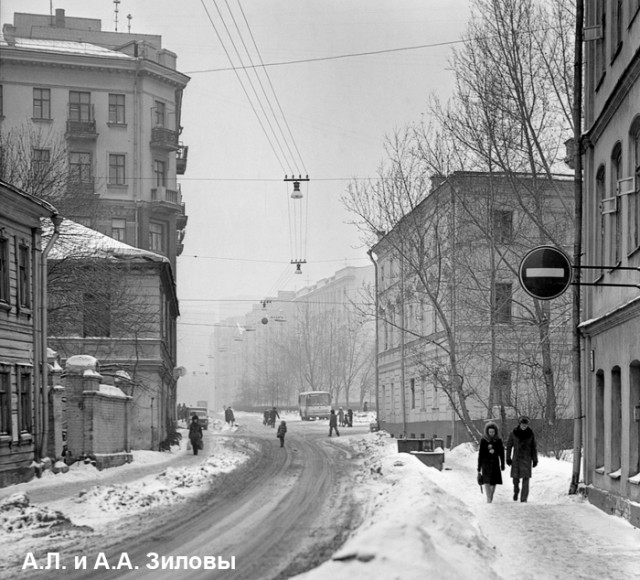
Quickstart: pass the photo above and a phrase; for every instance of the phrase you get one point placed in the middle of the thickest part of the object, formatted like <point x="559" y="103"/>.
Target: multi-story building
<point x="117" y="304"/>
<point x="23" y="361"/>
<point x="316" y="338"/>
<point x="459" y="341"/>
<point x="112" y="101"/>
<point x="611" y="306"/>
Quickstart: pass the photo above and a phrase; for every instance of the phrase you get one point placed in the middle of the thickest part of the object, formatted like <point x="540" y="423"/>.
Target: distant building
<point x="611" y="306"/>
<point x="23" y="361"/>
<point x="459" y="341"/>
<point x="118" y="304"/>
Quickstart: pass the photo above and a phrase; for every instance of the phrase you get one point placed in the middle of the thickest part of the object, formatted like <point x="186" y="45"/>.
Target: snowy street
<point x="293" y="510"/>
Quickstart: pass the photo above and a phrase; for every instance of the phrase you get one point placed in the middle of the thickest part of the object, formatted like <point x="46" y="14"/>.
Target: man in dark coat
<point x="333" y="423"/>
<point x="522" y="455"/>
<point x="490" y="460"/>
<point x="195" y="434"/>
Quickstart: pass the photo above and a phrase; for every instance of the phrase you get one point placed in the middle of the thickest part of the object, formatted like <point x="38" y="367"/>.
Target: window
<point x="615" y="215"/>
<point x="79" y="106"/>
<point x="599" y="434"/>
<point x="24" y="272"/>
<point x="5" y="400"/>
<point x="4" y="270"/>
<point x="502" y="302"/>
<point x="634" y="424"/>
<point x="412" y="384"/>
<point x="116" y="169"/>
<point x="40" y="160"/>
<point x="600" y="227"/>
<point x="116" y="109"/>
<point x="80" y="167"/>
<point x="41" y="103"/>
<point x="1" y="103"/>
<point x="501" y="388"/>
<point x="118" y="229"/>
<point x="25" y="412"/>
<point x="502" y="226"/>
<point x="616" y="32"/>
<point x="96" y="315"/>
<point x="634" y="201"/>
<point x="159" y="112"/>
<point x="156" y="237"/>
<point x="160" y="172"/>
<point x="599" y="61"/>
<point x="615" y="419"/>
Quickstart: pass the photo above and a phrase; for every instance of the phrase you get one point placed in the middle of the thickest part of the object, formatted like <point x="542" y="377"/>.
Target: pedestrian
<point x="282" y="430"/>
<point x="273" y="414"/>
<point x="522" y="456"/>
<point x="341" y="417"/>
<point x="266" y="417"/>
<point x="490" y="460"/>
<point x="350" y="417"/>
<point x="333" y="423"/>
<point x="195" y="434"/>
<point x="232" y="417"/>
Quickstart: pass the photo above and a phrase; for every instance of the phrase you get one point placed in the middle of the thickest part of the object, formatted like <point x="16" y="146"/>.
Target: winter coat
<point x="195" y="432"/>
<point x="522" y="451"/>
<point x="491" y="456"/>
<point x="282" y="429"/>
<point x="333" y="420"/>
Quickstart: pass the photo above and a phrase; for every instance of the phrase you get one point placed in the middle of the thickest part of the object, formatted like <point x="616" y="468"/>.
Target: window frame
<point x="120" y="236"/>
<point x="78" y="168"/>
<point x="117" y="169"/>
<point x="502" y="225"/>
<point x="117" y="113"/>
<point x="5" y="269"/>
<point x="25" y="406"/>
<point x="42" y="104"/>
<point x="23" y="275"/>
<point x="80" y="106"/>
<point x="5" y="400"/>
<point x="502" y="302"/>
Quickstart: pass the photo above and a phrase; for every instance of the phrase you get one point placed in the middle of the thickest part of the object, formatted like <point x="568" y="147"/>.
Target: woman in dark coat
<point x="522" y="455"/>
<point x="490" y="460"/>
<point x="195" y="434"/>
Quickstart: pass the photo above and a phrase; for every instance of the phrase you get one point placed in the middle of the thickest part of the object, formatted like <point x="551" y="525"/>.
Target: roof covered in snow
<point x="79" y="242"/>
<point x="63" y="46"/>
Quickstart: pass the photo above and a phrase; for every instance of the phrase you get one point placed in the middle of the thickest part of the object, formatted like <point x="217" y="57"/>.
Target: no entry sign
<point x="545" y="272"/>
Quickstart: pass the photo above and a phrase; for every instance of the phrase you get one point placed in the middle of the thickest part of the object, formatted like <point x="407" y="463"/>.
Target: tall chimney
<point x="59" y="18"/>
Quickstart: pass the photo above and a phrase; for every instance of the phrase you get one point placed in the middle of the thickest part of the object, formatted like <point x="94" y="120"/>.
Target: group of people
<point x="345" y="419"/>
<point x="270" y="416"/>
<point x="521" y="456"/>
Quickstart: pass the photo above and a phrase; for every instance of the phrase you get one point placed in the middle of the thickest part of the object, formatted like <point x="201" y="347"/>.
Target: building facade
<point x="611" y="306"/>
<point x="118" y="304"/>
<point x="459" y="341"/>
<point x="23" y="366"/>
<point x="111" y="102"/>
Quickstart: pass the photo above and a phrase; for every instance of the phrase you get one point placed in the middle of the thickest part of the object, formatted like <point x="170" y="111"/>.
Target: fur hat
<point x="524" y="419"/>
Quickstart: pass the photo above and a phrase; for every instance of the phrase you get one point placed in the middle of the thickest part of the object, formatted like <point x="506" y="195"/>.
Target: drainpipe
<point x="44" y="373"/>
<point x="377" y="379"/>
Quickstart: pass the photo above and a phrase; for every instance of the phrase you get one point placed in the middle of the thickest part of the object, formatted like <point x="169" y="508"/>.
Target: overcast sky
<point x="338" y="111"/>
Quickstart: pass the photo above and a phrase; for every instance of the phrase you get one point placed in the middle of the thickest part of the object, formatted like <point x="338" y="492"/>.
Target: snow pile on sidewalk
<point x="419" y="523"/>
<point x="17" y="515"/>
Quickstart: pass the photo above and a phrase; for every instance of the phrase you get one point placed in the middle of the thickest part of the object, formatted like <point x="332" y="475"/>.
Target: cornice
<point x="620" y="315"/>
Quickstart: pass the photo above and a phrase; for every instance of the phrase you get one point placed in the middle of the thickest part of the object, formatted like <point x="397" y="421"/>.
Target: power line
<point x="338" y="56"/>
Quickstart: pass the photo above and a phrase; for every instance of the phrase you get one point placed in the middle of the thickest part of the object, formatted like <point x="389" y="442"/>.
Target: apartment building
<point x="611" y="311"/>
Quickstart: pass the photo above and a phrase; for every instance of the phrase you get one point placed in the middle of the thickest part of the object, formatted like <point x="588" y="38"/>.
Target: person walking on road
<point x="341" y="417"/>
<point x="195" y="434"/>
<point x="490" y="460"/>
<point x="273" y="415"/>
<point x="349" y="417"/>
<point x="522" y="455"/>
<point x="282" y="430"/>
<point x="333" y="423"/>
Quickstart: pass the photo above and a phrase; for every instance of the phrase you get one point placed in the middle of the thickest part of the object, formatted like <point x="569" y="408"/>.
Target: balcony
<point x="165" y="139"/>
<point x="181" y="159"/>
<point x="162" y="194"/>
<point x="81" y="130"/>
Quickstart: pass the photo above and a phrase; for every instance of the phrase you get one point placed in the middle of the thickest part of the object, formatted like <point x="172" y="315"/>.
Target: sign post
<point x="545" y="273"/>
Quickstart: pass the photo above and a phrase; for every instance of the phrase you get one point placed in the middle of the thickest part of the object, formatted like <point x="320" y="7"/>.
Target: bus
<point x="314" y="405"/>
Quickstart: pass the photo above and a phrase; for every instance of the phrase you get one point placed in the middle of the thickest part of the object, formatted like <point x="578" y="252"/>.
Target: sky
<point x="333" y="114"/>
<point x="417" y="523"/>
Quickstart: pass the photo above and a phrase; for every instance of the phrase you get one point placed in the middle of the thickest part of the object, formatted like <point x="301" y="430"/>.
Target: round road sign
<point x="545" y="272"/>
